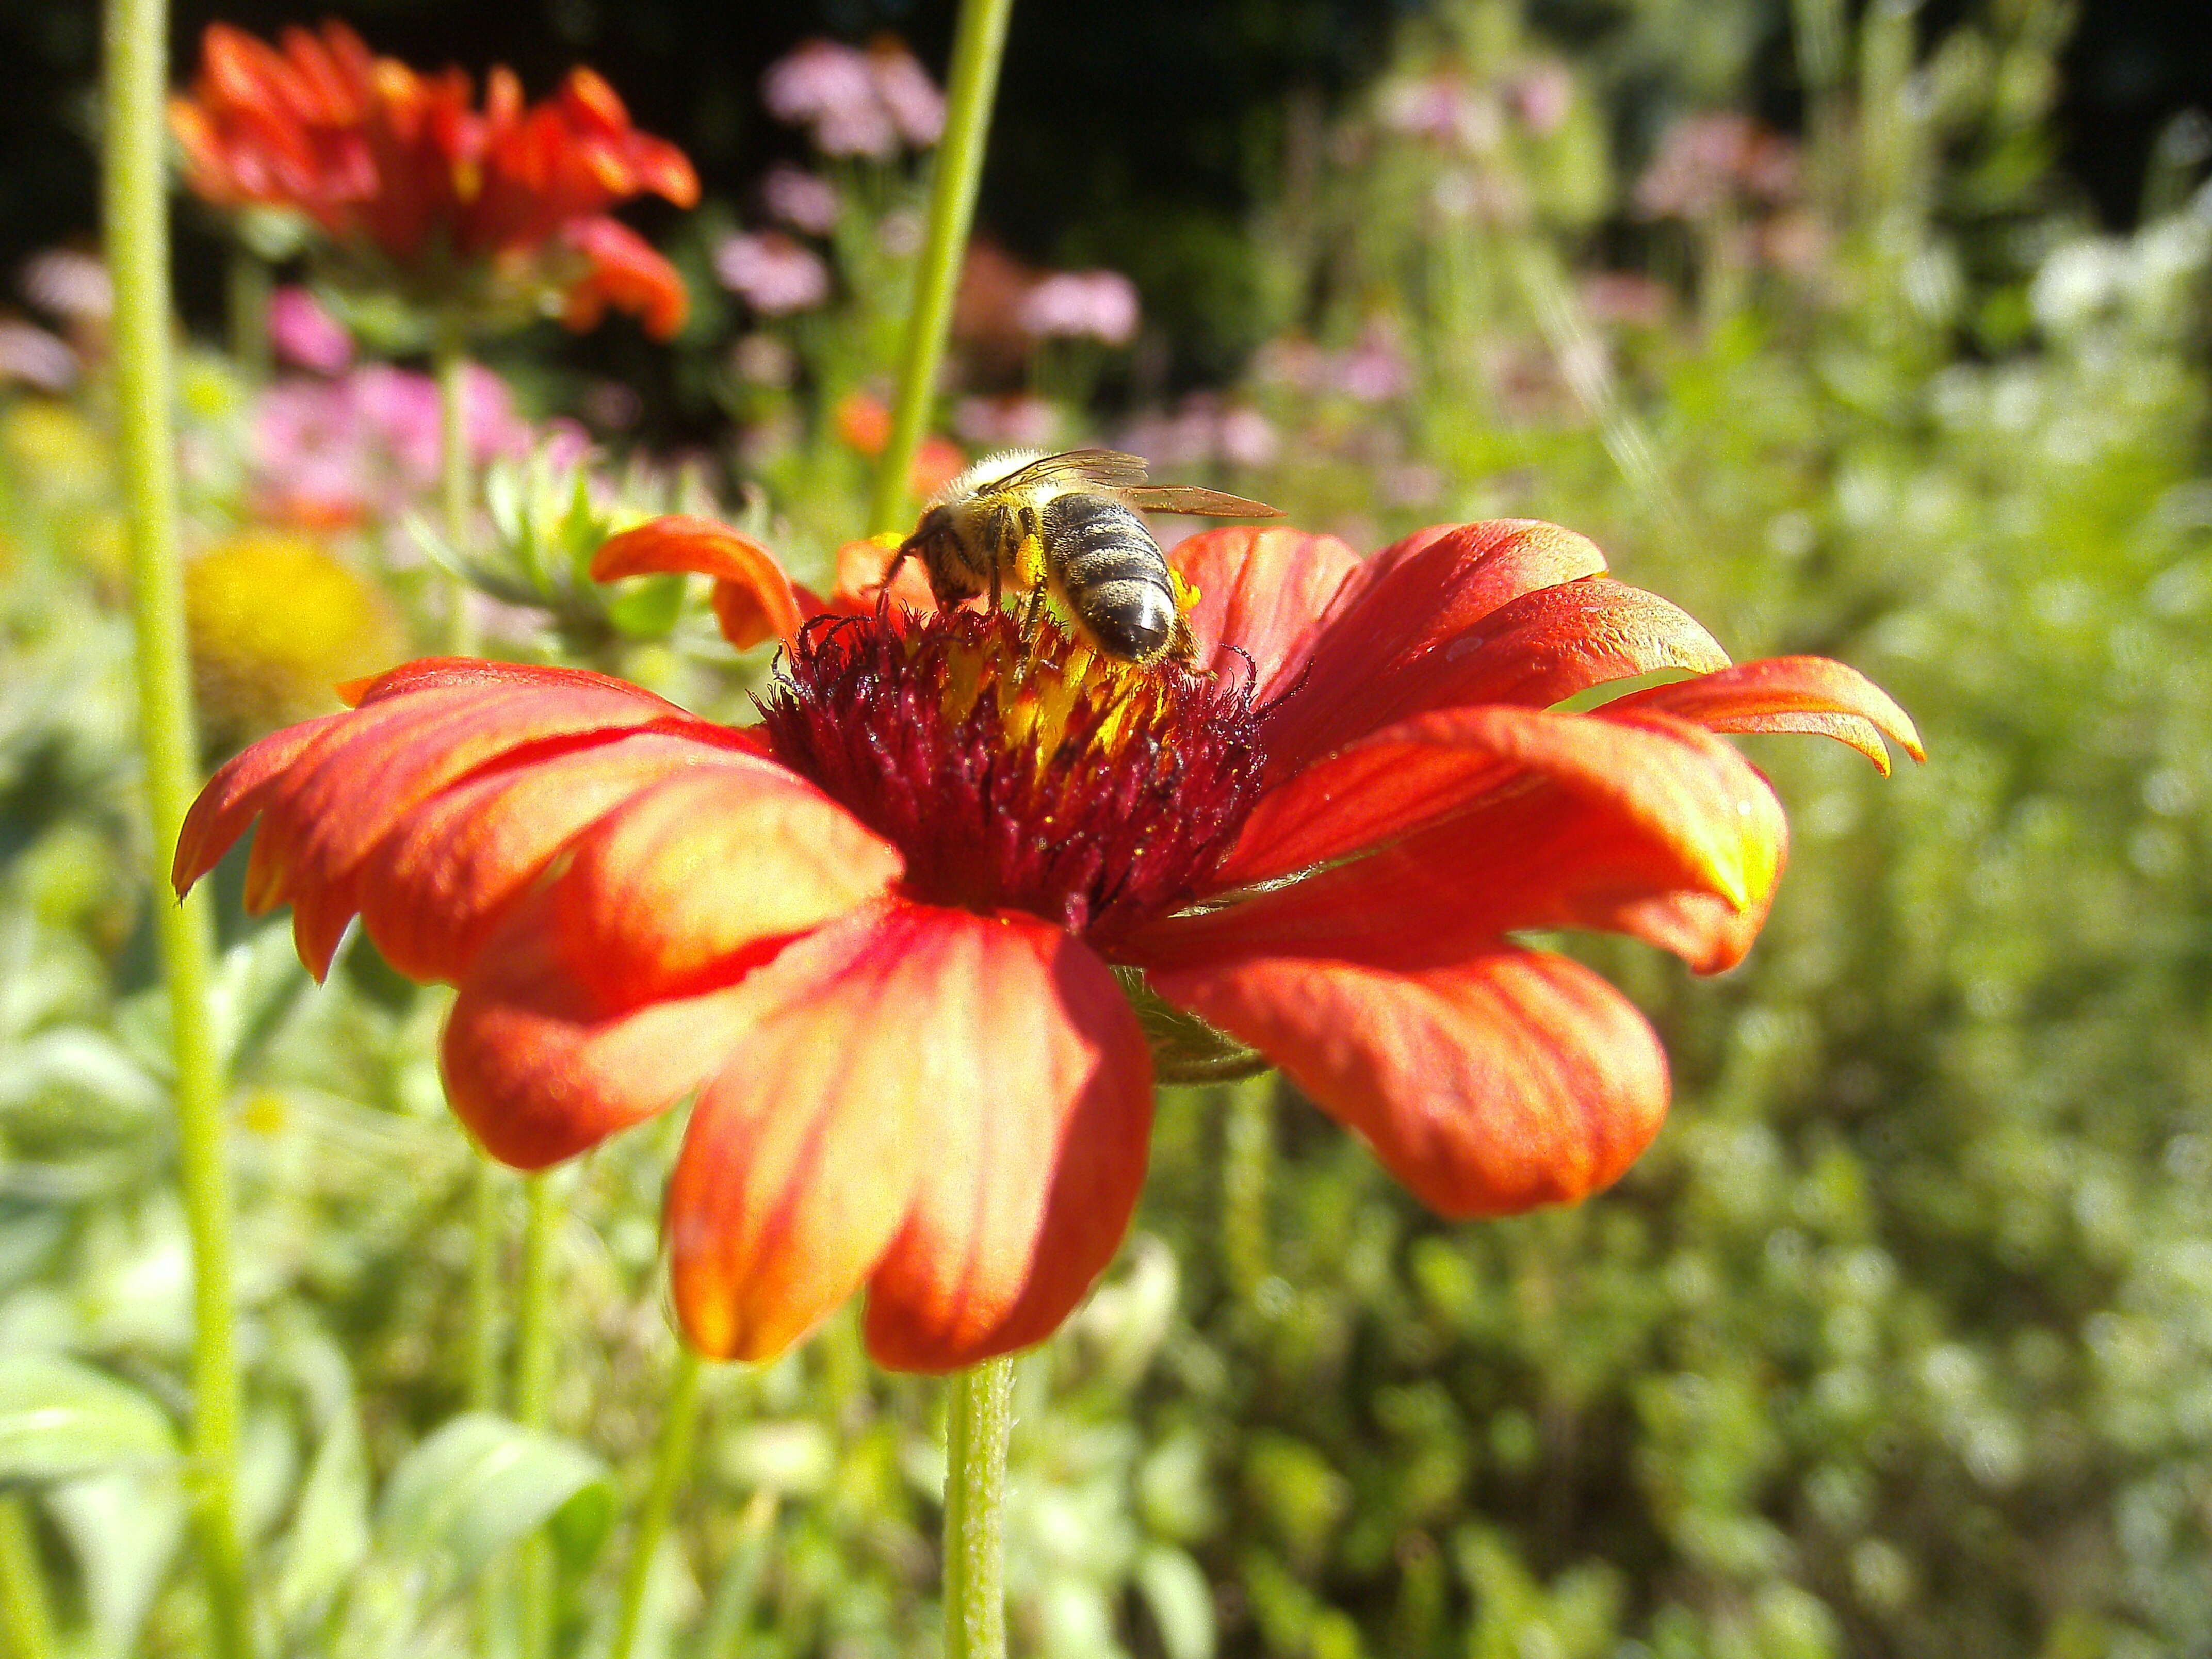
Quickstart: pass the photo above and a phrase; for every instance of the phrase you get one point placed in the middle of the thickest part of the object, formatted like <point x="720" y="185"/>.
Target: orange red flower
<point x="877" y="935"/>
<point x="865" y="424"/>
<point x="445" y="200"/>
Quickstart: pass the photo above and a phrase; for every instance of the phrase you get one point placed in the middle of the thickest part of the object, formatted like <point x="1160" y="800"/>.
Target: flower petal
<point x="337" y="794"/>
<point x="1689" y="792"/>
<point x="234" y="796"/>
<point x="540" y="1070"/>
<point x="1037" y="1146"/>
<point x="660" y="896"/>
<point x="427" y="673"/>
<point x="624" y="270"/>
<point x="800" y="1164"/>
<point x="1383" y="649"/>
<point x="1790" y="694"/>
<point x="861" y="569"/>
<point x="754" y="599"/>
<point x="434" y="890"/>
<point x="1260" y="592"/>
<point x="1488" y="1087"/>
<point x="1514" y="818"/>
<point x="607" y="991"/>
<point x="1548" y="645"/>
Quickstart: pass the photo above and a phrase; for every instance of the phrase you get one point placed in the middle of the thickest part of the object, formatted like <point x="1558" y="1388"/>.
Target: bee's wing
<point x="1205" y="503"/>
<point x="1105" y="469"/>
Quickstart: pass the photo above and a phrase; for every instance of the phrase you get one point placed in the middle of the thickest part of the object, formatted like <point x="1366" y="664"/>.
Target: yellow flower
<point x="275" y="623"/>
<point x="53" y="451"/>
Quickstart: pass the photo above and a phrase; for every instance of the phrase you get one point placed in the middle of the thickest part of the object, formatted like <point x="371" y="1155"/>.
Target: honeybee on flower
<point x="1062" y="529"/>
<point x="886" y="939"/>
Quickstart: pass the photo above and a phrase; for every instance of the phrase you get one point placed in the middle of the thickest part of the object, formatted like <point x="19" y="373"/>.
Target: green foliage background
<point x="1899" y="1342"/>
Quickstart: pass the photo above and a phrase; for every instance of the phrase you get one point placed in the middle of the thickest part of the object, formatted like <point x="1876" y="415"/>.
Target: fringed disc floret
<point x="1014" y="768"/>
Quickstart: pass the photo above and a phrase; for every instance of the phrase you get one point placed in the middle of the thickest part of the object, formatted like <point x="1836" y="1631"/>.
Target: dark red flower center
<point x="1015" y="768"/>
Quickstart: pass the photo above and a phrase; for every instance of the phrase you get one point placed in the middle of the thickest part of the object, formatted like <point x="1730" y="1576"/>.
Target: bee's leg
<point x="994" y="584"/>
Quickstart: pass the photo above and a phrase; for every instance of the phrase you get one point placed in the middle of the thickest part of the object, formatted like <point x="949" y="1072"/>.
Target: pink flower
<point x="70" y="285"/>
<point x="1098" y="305"/>
<point x="305" y="335"/>
<point x="1542" y="96"/>
<point x="1706" y="162"/>
<point x="1625" y="296"/>
<point x="856" y="103"/>
<point x="907" y="92"/>
<point x="1290" y="361"/>
<point x="802" y="200"/>
<point x="30" y="355"/>
<point x="1443" y="108"/>
<point x="1247" y="438"/>
<point x="1188" y="438"/>
<point x="365" y="446"/>
<point x="1376" y="370"/>
<point x="772" y="273"/>
<point x="1020" y="422"/>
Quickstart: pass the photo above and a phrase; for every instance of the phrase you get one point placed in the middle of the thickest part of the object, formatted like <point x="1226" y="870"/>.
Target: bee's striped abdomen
<point x="1113" y="572"/>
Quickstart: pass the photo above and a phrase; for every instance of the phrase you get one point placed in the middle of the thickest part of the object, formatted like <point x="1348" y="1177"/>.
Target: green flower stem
<point x="450" y="360"/>
<point x="533" y="1326"/>
<point x="450" y="363"/>
<point x="134" y="212"/>
<point x="23" y="1613"/>
<point x="738" y="1590"/>
<point x="976" y="1434"/>
<point x="484" y="1297"/>
<point x="1248" y="1153"/>
<point x="485" y="1183"/>
<point x="533" y="1395"/>
<point x="978" y="47"/>
<point x="671" y="1462"/>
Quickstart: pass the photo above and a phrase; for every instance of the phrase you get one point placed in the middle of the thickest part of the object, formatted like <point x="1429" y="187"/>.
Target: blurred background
<point x="1875" y="331"/>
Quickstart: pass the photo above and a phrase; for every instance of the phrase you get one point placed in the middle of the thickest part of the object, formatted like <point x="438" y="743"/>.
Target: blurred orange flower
<point x="877" y="933"/>
<point x="443" y="200"/>
<point x="865" y="425"/>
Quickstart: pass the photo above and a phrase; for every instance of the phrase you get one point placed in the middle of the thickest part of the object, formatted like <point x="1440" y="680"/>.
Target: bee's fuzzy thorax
<point x="988" y="471"/>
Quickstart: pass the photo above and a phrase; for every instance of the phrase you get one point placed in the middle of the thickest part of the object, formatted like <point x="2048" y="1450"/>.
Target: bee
<point x="1063" y="525"/>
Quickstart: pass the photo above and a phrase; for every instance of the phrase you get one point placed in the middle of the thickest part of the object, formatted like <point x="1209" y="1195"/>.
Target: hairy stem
<point x="1248" y="1154"/>
<point x="533" y="1395"/>
<point x="484" y="1297"/>
<point x="136" y="232"/>
<point x="976" y="1434"/>
<point x="978" y="47"/>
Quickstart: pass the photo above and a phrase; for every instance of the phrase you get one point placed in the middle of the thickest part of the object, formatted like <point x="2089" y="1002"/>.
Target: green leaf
<point x="646" y="610"/>
<point x="257" y="984"/>
<point x="123" y="1527"/>
<point x="329" y="1533"/>
<point x="1180" y="1602"/>
<point x="481" y="1483"/>
<point x="60" y="1419"/>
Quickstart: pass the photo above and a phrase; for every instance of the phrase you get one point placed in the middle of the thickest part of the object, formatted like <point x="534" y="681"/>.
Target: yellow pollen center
<point x="1039" y="677"/>
<point x="1018" y="767"/>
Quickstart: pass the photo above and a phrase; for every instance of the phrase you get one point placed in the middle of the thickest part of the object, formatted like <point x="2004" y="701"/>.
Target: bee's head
<point x="933" y="530"/>
<point x="939" y="546"/>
